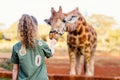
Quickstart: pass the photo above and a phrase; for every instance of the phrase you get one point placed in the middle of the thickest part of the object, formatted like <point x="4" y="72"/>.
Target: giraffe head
<point x="58" y="21"/>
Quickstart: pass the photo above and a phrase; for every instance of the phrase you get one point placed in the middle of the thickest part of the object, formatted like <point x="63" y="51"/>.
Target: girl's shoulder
<point x="17" y="45"/>
<point x="42" y="43"/>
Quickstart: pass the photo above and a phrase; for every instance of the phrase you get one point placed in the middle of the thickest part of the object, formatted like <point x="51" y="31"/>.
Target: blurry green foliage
<point x="1" y="35"/>
<point x="6" y="64"/>
<point x="12" y="31"/>
<point x="99" y="20"/>
<point x="43" y="32"/>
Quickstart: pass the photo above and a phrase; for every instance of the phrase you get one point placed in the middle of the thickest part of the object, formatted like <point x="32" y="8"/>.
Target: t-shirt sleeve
<point x="14" y="57"/>
<point x="47" y="51"/>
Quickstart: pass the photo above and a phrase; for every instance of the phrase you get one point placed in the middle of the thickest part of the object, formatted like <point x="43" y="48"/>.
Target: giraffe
<point x="81" y="38"/>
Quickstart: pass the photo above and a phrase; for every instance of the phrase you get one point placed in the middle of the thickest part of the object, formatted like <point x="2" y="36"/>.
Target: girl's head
<point x="27" y="30"/>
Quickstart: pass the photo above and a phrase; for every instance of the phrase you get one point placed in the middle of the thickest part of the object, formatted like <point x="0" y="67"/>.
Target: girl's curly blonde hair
<point x="27" y="31"/>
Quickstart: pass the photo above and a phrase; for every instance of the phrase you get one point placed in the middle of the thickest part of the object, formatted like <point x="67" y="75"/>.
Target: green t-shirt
<point x="31" y="64"/>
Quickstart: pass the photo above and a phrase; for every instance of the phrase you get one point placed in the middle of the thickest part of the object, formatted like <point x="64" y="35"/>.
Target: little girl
<point x="29" y="53"/>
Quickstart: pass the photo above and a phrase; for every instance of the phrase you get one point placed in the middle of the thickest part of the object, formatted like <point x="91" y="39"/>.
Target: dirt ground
<point x="106" y="65"/>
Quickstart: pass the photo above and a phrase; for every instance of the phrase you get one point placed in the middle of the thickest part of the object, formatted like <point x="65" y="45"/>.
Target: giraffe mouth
<point x="54" y="36"/>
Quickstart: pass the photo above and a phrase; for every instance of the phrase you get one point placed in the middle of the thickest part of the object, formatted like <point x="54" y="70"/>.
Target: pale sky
<point x="11" y="10"/>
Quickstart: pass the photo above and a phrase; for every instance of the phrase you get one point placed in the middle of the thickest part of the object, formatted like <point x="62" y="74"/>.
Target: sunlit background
<point x="104" y="15"/>
<point x="11" y="10"/>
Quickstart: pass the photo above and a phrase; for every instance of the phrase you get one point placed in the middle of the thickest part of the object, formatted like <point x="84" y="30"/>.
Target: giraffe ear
<point x="74" y="11"/>
<point x="60" y="9"/>
<point x="53" y="11"/>
<point x="47" y="21"/>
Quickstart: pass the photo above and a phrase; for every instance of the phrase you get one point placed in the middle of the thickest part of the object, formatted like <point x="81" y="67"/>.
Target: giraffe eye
<point x="64" y="20"/>
<point x="49" y="23"/>
<point x="73" y="16"/>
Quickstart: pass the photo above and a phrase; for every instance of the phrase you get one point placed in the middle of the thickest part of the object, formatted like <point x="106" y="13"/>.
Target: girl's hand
<point x="52" y="45"/>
